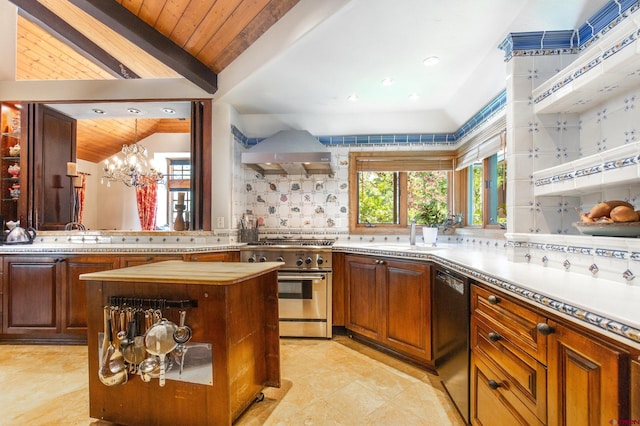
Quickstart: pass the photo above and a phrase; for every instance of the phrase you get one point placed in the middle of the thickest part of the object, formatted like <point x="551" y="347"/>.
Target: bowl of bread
<point x="614" y="218"/>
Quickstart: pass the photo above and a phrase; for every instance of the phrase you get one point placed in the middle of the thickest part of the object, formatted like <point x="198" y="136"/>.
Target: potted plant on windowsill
<point x="431" y="214"/>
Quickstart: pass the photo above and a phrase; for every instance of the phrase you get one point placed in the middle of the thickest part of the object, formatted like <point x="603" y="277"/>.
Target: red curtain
<point x="147" y="197"/>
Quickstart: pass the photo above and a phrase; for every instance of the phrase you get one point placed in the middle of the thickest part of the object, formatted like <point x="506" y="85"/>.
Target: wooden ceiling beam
<point x="128" y="25"/>
<point x="40" y="15"/>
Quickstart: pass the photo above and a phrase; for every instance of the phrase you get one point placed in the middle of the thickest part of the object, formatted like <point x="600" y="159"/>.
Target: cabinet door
<point x="31" y="294"/>
<point x="406" y="307"/>
<point x="53" y="145"/>
<point x="74" y="294"/>
<point x="634" y="397"/>
<point x="363" y="296"/>
<point x="127" y="261"/>
<point x="584" y="380"/>
<point x="222" y="256"/>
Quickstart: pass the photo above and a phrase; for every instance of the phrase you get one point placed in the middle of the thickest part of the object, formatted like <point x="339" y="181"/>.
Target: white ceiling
<point x="354" y="44"/>
<point x="133" y="109"/>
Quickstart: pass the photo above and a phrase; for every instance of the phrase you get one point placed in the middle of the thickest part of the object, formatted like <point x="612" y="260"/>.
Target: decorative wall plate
<point x="615" y="229"/>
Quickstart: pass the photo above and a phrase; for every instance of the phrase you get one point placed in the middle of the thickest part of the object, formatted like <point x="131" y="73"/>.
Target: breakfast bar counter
<point x="231" y="313"/>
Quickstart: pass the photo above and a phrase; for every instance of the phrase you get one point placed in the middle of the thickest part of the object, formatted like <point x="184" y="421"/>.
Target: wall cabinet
<point x="527" y="368"/>
<point x="10" y="163"/>
<point x="389" y="302"/>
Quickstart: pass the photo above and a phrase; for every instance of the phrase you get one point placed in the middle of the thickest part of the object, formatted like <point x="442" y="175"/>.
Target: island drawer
<point x="495" y="402"/>
<point x="528" y="377"/>
<point x="511" y="319"/>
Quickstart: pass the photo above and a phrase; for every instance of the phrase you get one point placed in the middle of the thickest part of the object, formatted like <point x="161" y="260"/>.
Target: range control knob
<point x="299" y="261"/>
<point x="263" y="259"/>
<point x="251" y="259"/>
<point x="308" y="261"/>
<point x="320" y="260"/>
<point x="280" y="259"/>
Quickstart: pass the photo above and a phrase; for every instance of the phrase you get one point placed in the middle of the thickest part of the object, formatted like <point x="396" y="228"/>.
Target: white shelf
<point x="603" y="71"/>
<point x="613" y="167"/>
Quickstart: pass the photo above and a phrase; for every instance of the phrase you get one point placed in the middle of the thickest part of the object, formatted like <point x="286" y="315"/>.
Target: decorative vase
<point x="178" y="224"/>
<point x="430" y="235"/>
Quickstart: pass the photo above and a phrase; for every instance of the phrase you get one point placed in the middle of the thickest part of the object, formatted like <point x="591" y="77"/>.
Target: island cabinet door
<point x="406" y="308"/>
<point x="363" y="277"/>
<point x="74" y="294"/>
<point x="31" y="294"/>
<point x="585" y="380"/>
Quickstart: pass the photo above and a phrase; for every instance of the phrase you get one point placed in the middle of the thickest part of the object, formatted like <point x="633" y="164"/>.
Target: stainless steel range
<point x="304" y="283"/>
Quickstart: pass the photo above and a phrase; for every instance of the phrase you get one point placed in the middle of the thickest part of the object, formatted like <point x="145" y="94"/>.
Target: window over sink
<point x="389" y="189"/>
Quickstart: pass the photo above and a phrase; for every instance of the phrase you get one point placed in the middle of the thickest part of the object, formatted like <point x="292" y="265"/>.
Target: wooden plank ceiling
<point x="215" y="32"/>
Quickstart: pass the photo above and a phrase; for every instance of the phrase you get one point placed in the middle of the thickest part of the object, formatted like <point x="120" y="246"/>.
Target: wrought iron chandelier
<point x="131" y="167"/>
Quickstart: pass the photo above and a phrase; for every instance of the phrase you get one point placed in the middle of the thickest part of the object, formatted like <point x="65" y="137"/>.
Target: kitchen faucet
<point x="412" y="235"/>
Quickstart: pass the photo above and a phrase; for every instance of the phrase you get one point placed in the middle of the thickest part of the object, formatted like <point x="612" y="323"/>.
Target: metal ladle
<point x="183" y="333"/>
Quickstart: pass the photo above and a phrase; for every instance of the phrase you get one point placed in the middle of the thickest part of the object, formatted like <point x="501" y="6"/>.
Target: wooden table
<point x="236" y="312"/>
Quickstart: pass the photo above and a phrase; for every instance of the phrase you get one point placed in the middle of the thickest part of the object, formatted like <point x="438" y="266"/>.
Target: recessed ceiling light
<point x="414" y="96"/>
<point x="353" y="97"/>
<point x="388" y="81"/>
<point x="169" y="111"/>
<point x="134" y="110"/>
<point x="98" y="111"/>
<point x="430" y="61"/>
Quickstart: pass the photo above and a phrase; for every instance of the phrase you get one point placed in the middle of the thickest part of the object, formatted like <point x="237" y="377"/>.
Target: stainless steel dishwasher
<point x="451" y="318"/>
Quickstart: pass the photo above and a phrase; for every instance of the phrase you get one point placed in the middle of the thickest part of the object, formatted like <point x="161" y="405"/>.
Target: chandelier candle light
<point x="133" y="169"/>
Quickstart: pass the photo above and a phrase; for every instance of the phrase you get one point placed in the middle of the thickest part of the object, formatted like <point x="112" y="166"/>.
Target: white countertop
<point x="605" y="306"/>
<point x="592" y="302"/>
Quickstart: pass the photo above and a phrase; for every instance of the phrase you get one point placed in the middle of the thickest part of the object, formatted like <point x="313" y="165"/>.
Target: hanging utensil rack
<point x="152" y="303"/>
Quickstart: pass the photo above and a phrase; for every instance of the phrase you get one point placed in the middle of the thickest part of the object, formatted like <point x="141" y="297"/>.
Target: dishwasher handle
<point x="447" y="279"/>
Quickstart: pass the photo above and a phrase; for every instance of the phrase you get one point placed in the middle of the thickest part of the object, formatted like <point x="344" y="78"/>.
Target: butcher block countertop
<point x="178" y="271"/>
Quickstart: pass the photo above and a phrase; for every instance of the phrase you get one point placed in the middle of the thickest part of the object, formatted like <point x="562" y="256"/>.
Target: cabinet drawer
<point x="527" y="376"/>
<point x="514" y="321"/>
<point x="494" y="401"/>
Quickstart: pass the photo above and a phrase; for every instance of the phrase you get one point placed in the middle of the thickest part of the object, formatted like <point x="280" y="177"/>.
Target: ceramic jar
<point x="14" y="151"/>
<point x="14" y="170"/>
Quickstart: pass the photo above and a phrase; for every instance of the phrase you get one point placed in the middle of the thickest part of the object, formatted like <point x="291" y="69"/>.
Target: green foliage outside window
<point x="427" y="197"/>
<point x="476" y="194"/>
<point x="377" y="196"/>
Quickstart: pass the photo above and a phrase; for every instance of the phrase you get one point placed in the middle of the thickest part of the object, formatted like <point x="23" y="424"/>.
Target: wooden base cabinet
<point x="74" y="293"/>
<point x="530" y="368"/>
<point x="31" y="288"/>
<point x="43" y="300"/>
<point x="389" y="302"/>
<point x="585" y="380"/>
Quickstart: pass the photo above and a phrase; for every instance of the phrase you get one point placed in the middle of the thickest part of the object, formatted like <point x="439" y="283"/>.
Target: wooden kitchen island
<point x="231" y="306"/>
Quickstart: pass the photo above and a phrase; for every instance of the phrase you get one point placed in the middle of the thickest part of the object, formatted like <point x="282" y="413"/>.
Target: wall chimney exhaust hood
<point x="293" y="152"/>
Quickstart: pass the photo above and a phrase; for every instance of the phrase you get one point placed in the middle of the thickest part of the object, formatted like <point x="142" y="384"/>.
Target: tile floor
<point x="337" y="382"/>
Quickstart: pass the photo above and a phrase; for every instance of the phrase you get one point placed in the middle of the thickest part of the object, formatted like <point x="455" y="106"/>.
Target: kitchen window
<point x="485" y="168"/>
<point x="179" y="188"/>
<point x="388" y="188"/>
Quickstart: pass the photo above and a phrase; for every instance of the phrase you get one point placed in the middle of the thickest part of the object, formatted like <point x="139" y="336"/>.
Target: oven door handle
<point x="300" y="277"/>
